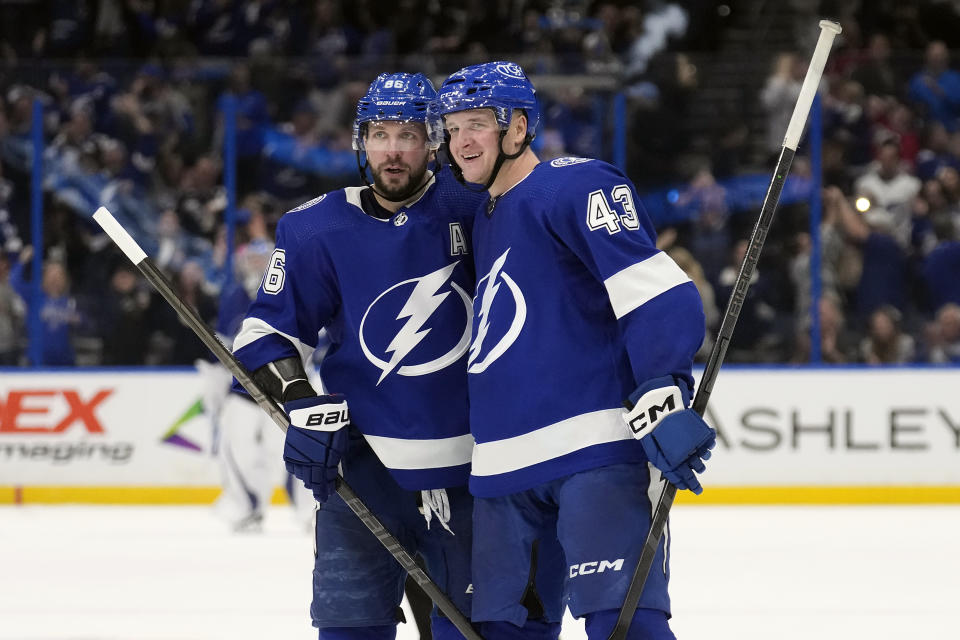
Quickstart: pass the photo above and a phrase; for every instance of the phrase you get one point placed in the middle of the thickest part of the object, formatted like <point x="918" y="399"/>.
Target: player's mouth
<point x="394" y="171"/>
<point x="470" y="157"/>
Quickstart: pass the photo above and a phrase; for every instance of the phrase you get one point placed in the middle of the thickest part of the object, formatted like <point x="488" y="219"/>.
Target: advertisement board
<point x="784" y="435"/>
<point x="835" y="435"/>
<point x="119" y="429"/>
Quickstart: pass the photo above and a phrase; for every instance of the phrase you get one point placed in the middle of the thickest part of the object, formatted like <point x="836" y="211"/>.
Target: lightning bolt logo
<point x="489" y="293"/>
<point x="490" y="284"/>
<point x="419" y="307"/>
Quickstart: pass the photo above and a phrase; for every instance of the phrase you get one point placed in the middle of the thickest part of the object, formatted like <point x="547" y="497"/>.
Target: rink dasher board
<point x="786" y="435"/>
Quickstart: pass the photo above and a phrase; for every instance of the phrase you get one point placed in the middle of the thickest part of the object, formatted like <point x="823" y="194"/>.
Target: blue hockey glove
<point x="316" y="440"/>
<point x="675" y="439"/>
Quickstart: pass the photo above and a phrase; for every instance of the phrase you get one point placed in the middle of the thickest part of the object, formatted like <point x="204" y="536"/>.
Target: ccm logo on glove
<point x="651" y="407"/>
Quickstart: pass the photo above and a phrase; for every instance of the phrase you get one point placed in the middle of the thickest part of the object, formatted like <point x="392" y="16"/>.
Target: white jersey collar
<point x="352" y="195"/>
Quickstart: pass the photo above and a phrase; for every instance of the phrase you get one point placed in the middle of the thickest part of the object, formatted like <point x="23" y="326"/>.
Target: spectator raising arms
<point x="58" y="309"/>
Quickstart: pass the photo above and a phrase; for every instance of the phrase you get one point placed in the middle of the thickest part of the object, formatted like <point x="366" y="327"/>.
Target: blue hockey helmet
<point x="501" y="86"/>
<point x="401" y="97"/>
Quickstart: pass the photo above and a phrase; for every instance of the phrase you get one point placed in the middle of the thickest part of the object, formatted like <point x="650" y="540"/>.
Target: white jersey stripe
<point x="641" y="282"/>
<point x="549" y="442"/>
<point x="400" y="453"/>
<point x="253" y="329"/>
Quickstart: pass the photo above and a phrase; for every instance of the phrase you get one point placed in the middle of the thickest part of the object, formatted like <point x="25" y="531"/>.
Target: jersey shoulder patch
<point x="308" y="204"/>
<point x="320" y="215"/>
<point x="568" y="161"/>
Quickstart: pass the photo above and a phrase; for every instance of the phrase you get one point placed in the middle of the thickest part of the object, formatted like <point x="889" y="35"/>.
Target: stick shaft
<point x="193" y="320"/>
<point x="828" y="31"/>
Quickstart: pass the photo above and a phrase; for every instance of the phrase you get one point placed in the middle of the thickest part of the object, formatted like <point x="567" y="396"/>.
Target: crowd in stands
<point x="889" y="236"/>
<point x="134" y="94"/>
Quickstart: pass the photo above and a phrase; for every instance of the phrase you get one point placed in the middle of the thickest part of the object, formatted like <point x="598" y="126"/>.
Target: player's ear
<point x="522" y="123"/>
<point x="518" y="125"/>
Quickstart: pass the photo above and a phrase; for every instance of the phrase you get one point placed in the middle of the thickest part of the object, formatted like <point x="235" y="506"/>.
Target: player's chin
<point x="476" y="175"/>
<point x="393" y="188"/>
<point x="476" y="170"/>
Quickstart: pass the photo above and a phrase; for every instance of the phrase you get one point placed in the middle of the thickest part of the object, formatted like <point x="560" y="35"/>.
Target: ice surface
<point x="744" y="573"/>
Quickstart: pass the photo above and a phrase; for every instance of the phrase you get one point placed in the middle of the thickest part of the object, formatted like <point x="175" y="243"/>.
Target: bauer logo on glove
<point x="316" y="440"/>
<point x="338" y="418"/>
<point x="326" y="417"/>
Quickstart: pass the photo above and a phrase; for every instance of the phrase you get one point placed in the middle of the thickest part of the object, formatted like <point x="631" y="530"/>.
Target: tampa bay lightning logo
<point x="309" y="203"/>
<point x="494" y="338"/>
<point x="510" y="69"/>
<point x="566" y="162"/>
<point x="424" y="309"/>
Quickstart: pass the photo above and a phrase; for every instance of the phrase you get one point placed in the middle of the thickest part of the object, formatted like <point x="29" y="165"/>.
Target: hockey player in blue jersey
<point x="575" y="310"/>
<point x="386" y="270"/>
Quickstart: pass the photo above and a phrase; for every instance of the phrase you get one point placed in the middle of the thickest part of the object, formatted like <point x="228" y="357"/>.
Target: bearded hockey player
<point x="386" y="270"/>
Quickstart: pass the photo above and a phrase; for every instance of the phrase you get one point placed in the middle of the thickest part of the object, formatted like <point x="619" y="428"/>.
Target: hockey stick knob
<point x="119" y="235"/>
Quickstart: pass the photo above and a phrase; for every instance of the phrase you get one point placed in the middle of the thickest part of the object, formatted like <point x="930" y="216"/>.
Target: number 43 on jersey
<point x="600" y="215"/>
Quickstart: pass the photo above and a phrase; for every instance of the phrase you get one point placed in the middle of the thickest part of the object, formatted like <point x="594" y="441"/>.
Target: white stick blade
<point x="119" y="235"/>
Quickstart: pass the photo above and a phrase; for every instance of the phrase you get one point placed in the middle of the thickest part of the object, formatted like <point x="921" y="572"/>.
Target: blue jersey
<point x="394" y="296"/>
<point x="575" y="307"/>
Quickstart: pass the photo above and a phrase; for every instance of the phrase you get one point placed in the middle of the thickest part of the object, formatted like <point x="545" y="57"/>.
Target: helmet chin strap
<point x="412" y="191"/>
<point x="502" y="156"/>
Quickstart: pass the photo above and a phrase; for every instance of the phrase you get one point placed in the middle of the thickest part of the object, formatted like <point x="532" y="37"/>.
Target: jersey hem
<point x="600" y="455"/>
<point x="442" y="478"/>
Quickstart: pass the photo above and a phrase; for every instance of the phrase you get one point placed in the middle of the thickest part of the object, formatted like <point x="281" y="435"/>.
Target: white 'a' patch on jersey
<point x="458" y="240"/>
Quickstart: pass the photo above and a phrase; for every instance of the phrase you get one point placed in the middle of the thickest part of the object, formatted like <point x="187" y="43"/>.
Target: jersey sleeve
<point x="598" y="215"/>
<point x="295" y="301"/>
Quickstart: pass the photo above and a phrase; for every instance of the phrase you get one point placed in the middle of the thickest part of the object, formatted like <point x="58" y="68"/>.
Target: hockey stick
<point x="828" y="31"/>
<point x="190" y="317"/>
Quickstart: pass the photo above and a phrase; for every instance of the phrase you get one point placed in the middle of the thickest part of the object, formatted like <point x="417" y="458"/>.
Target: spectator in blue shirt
<point x="252" y="116"/>
<point x="58" y="309"/>
<point x="941" y="267"/>
<point x="884" y="277"/>
<point x="936" y="87"/>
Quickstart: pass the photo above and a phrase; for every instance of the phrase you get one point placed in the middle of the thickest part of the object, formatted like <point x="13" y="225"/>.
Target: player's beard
<point x="394" y="189"/>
